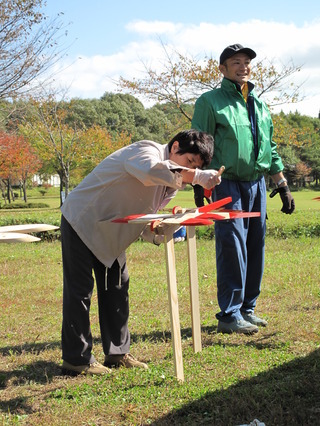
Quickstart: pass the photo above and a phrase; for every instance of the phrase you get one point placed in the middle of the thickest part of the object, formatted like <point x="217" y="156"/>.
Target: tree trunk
<point x="3" y="192"/>
<point x="67" y="180"/>
<point x="61" y="189"/>
<point x="24" y="189"/>
<point x="8" y="191"/>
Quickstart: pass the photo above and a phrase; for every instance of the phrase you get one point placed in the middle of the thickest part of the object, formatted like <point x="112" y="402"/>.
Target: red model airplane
<point x="205" y="215"/>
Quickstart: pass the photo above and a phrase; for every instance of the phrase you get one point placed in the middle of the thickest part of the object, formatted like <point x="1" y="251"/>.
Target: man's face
<point x="192" y="161"/>
<point x="237" y="68"/>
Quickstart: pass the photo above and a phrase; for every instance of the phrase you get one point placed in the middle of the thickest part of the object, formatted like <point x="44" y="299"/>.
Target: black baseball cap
<point x="236" y="48"/>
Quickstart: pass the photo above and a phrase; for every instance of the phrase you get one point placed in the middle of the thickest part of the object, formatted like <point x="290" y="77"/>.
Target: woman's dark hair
<point x="195" y="142"/>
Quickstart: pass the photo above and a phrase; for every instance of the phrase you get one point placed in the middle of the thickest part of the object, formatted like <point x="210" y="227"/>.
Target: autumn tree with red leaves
<point x="18" y="162"/>
<point x="302" y="171"/>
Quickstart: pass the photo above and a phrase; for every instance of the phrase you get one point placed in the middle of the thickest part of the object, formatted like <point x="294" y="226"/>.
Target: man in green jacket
<point x="242" y="128"/>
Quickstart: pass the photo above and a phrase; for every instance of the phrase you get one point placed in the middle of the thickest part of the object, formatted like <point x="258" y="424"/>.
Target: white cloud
<point x="91" y="77"/>
<point x="152" y="27"/>
<point x="279" y="42"/>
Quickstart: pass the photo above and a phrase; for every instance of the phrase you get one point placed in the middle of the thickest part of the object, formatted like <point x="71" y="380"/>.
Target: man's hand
<point x="163" y="230"/>
<point x="208" y="179"/>
<point x="156" y="232"/>
<point x="288" y="204"/>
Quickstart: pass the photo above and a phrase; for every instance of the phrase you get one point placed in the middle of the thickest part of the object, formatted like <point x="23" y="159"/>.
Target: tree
<point x="275" y="84"/>
<point x="301" y="172"/>
<point x="298" y="140"/>
<point x="288" y="132"/>
<point x="27" y="163"/>
<point x="7" y="172"/>
<point x="56" y="142"/>
<point x="121" y="114"/>
<point x="98" y="143"/>
<point x="311" y="155"/>
<point x="166" y="120"/>
<point x="28" y="45"/>
<point x="290" y="158"/>
<point x="64" y="143"/>
<point x="18" y="161"/>
<point x="183" y="78"/>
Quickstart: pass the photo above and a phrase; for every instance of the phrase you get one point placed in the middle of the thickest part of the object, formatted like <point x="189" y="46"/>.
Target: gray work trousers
<point x="79" y="263"/>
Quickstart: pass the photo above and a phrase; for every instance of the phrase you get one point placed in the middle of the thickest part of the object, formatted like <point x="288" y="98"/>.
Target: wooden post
<point x="174" y="307"/>
<point x="194" y="288"/>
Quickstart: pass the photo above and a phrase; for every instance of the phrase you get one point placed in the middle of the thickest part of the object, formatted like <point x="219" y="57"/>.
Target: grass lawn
<point x="273" y="376"/>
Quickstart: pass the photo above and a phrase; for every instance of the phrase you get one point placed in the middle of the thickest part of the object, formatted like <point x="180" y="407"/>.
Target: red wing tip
<point x="127" y="219"/>
<point x="240" y="214"/>
<point x="215" y="205"/>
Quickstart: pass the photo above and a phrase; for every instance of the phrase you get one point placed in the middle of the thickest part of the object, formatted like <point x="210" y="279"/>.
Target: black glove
<point x="286" y="198"/>
<point x="199" y="197"/>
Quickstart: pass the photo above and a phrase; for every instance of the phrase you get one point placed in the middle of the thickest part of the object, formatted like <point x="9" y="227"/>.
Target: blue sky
<point x="113" y="38"/>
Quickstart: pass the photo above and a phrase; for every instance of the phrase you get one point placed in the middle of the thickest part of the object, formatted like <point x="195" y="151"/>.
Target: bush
<point x="13" y="206"/>
<point x="300" y="224"/>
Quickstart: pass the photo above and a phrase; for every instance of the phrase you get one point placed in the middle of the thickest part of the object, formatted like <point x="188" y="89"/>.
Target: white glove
<point x="206" y="178"/>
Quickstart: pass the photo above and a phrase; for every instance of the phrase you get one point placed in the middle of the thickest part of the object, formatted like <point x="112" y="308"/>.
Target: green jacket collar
<point x="231" y="85"/>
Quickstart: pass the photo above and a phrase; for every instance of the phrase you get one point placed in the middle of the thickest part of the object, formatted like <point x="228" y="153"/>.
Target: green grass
<point x="273" y="376"/>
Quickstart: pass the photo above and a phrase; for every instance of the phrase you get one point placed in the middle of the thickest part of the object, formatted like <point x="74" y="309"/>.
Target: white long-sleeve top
<point x="136" y="179"/>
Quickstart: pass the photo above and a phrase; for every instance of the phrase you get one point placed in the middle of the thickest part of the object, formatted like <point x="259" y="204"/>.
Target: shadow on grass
<point x="40" y="372"/>
<point x="34" y="348"/>
<point x="289" y="394"/>
<point x="286" y="395"/>
<point x="209" y="334"/>
<point x="43" y="372"/>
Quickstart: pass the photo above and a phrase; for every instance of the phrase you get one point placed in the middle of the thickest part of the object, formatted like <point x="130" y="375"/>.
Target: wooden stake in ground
<point x="173" y="298"/>
<point x="194" y="288"/>
<point x="173" y="306"/>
